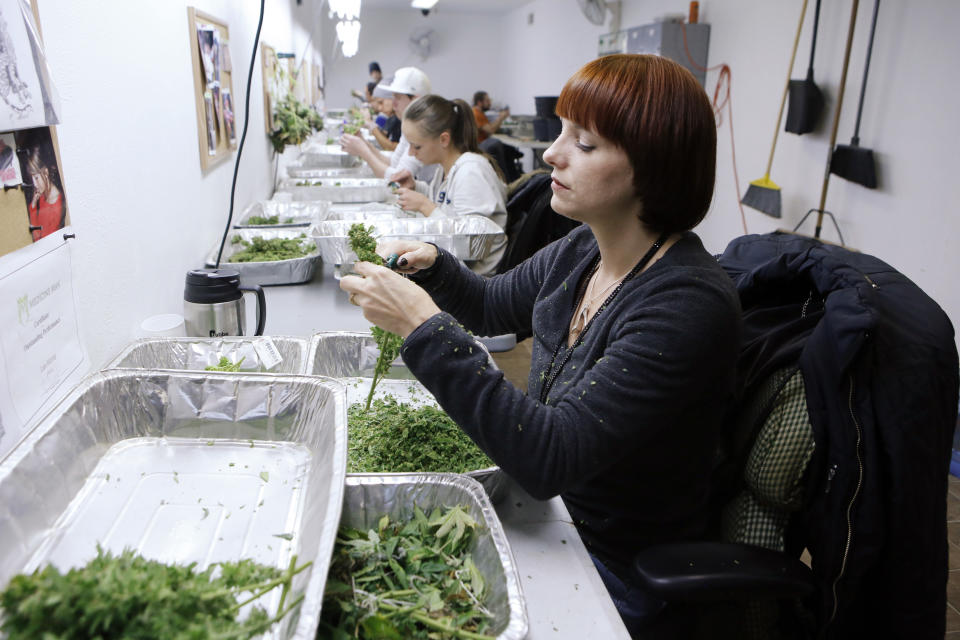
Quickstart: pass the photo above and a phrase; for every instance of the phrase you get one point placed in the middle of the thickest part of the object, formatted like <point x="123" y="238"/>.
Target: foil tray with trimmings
<point x="183" y="468"/>
<point x="369" y="497"/>
<point x="288" y="271"/>
<point x="280" y="214"/>
<point x="246" y="354"/>
<point x="336" y="189"/>
<point x="351" y="357"/>
<point x="470" y="238"/>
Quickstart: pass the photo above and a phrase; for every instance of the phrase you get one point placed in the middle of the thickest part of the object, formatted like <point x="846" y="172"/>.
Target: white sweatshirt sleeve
<point x="473" y="188"/>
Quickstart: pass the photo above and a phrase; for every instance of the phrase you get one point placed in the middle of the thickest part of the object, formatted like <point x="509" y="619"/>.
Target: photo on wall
<point x="205" y="36"/>
<point x="216" y="56"/>
<point x="21" y="99"/>
<point x="211" y="124"/>
<point x="42" y="185"/>
<point x="228" y="120"/>
<point x="9" y="166"/>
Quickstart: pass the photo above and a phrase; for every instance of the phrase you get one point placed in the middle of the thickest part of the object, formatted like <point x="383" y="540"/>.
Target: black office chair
<point x="840" y="445"/>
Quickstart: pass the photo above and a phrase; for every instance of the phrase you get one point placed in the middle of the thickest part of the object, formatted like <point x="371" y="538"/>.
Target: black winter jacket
<point x="880" y="366"/>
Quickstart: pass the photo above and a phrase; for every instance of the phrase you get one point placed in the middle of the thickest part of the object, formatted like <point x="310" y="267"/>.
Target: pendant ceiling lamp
<point x="344" y="9"/>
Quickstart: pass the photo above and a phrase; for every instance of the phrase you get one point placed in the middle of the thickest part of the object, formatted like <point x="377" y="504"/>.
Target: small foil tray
<point x="319" y="156"/>
<point x="299" y="171"/>
<point x="183" y="467"/>
<point x="363" y="212"/>
<point x="469" y="237"/>
<point x="291" y="214"/>
<point x="352" y="356"/>
<point x="336" y="189"/>
<point x="367" y="497"/>
<point x="195" y="354"/>
<point x="266" y="273"/>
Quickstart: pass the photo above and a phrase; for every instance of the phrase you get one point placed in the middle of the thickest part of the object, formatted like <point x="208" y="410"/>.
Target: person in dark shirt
<point x="636" y="328"/>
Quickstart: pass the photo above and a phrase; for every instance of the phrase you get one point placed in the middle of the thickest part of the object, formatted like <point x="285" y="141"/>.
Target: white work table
<point x="564" y="594"/>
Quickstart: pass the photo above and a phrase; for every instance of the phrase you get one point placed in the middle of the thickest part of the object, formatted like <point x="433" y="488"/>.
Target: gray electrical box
<point x="663" y="39"/>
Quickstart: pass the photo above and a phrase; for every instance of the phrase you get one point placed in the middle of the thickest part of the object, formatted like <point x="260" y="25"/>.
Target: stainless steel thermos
<point x="213" y="304"/>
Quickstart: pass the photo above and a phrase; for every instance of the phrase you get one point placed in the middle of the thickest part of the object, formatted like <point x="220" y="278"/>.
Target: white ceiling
<point x="451" y="6"/>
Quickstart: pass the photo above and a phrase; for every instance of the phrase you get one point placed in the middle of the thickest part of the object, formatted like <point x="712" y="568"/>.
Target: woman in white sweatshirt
<point x="444" y="132"/>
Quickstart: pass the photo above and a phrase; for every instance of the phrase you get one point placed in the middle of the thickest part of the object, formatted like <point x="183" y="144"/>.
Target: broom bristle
<point x="764" y="199"/>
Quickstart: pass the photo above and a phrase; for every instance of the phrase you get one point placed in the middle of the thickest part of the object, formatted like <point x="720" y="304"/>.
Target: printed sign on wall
<point x="40" y="350"/>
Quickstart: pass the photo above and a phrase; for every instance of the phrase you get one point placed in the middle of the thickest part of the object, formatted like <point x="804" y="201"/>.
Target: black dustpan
<point x="851" y="161"/>
<point x="806" y="99"/>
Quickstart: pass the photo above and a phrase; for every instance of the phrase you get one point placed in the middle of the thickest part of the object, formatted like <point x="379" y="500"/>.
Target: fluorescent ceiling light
<point x="423" y="4"/>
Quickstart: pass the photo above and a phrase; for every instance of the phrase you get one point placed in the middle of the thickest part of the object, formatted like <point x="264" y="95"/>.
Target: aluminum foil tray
<point x="195" y="354"/>
<point x="363" y="212"/>
<point x="351" y="357"/>
<point x="469" y="237"/>
<point x="367" y="497"/>
<point x="291" y="214"/>
<point x="183" y="467"/>
<point x="336" y="189"/>
<point x="300" y="172"/>
<point x="319" y="156"/>
<point x="266" y="273"/>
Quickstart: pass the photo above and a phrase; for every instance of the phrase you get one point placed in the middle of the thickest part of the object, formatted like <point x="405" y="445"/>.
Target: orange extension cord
<point x="723" y="88"/>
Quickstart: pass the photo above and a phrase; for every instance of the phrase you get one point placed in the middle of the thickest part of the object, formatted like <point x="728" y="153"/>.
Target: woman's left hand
<point x="387" y="299"/>
<point x="410" y="200"/>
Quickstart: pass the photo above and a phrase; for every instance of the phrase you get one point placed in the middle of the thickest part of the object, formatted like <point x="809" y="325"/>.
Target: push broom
<point x="833" y="133"/>
<point x="851" y="161"/>
<point x="764" y="194"/>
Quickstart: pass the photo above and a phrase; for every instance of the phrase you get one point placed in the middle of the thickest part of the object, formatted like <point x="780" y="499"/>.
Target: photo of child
<point x="42" y="188"/>
<point x="205" y="36"/>
<point x="228" y="120"/>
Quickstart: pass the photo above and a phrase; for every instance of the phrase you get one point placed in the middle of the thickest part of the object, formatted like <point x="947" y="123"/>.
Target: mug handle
<point x="261" y="306"/>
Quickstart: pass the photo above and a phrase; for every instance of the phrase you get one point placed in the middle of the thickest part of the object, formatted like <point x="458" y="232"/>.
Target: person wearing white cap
<point x="407" y="84"/>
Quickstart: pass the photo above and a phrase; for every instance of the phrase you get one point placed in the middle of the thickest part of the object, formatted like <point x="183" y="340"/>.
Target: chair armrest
<point x="716" y="572"/>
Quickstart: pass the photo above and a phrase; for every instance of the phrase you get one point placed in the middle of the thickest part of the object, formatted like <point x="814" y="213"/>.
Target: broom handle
<point x="836" y="116"/>
<point x="813" y="41"/>
<point x="866" y="69"/>
<point x="786" y="88"/>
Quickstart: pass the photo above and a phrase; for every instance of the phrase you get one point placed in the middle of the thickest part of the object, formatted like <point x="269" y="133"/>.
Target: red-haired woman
<point x="636" y="328"/>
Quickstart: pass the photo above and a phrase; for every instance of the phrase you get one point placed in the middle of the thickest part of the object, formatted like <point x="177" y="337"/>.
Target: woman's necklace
<point x="580" y="319"/>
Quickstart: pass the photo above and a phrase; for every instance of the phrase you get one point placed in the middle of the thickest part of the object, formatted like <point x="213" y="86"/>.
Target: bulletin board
<point x="213" y="87"/>
<point x="31" y="175"/>
<point x="270" y="74"/>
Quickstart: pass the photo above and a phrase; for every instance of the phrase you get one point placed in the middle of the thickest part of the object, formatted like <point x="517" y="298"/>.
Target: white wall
<point x="465" y="56"/>
<point x="143" y="210"/>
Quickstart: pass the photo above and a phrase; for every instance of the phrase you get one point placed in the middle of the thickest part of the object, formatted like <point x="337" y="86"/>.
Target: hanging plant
<point x="293" y="122"/>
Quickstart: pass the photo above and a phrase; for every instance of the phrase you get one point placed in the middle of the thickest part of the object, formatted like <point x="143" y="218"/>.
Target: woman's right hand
<point x="354" y="145"/>
<point x="413" y="256"/>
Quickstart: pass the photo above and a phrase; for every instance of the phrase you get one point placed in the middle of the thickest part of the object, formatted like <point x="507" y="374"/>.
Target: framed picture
<point x="216" y="137"/>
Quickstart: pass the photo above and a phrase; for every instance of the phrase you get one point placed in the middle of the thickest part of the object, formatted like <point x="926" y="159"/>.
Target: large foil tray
<point x="265" y="273"/>
<point x="363" y="212"/>
<point x="299" y="214"/>
<point x="183" y="467"/>
<point x="326" y="155"/>
<point x="367" y="497"/>
<point x="195" y="354"/>
<point x="352" y="356"/>
<point x="470" y="237"/>
<point x="336" y="189"/>
<point x="299" y="171"/>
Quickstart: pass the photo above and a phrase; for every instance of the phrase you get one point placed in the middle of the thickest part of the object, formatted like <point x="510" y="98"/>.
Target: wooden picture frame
<point x="217" y="126"/>
<point x="269" y="66"/>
